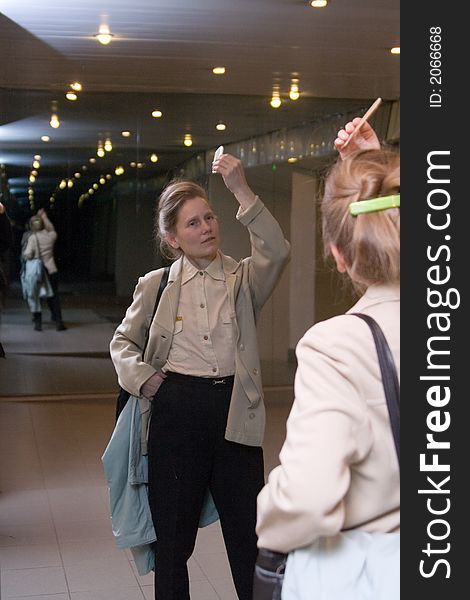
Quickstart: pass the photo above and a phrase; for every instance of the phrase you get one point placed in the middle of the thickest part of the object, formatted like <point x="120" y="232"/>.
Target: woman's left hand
<point x="233" y="174"/>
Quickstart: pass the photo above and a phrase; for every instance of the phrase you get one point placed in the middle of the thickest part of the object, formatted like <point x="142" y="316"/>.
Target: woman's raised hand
<point x="365" y="139"/>
<point x="233" y="174"/>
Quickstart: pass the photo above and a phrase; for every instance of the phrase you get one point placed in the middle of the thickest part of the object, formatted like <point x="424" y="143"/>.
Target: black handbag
<point x="270" y="566"/>
<point x="124" y="395"/>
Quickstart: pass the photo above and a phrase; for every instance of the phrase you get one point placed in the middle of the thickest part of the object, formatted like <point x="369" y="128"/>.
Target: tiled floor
<point x="55" y="535"/>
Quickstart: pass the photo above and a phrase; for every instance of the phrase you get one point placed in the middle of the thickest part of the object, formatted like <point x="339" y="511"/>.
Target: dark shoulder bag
<point x="123" y="395"/>
<point x="270" y="566"/>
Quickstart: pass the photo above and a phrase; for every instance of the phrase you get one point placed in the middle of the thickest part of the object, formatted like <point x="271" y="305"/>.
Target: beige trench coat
<point x="250" y="282"/>
<point x="339" y="468"/>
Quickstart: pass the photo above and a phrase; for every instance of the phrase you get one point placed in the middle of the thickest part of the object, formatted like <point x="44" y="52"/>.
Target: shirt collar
<point x="214" y="269"/>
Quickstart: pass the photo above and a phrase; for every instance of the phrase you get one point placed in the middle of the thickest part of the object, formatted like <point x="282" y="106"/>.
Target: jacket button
<point x="252" y="415"/>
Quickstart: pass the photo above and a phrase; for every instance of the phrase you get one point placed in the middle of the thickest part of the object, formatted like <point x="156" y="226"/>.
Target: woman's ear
<point x="171" y="239"/>
<point x="339" y="259"/>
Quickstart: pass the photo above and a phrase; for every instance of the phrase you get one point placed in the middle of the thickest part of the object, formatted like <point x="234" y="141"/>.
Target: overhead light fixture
<point x="102" y="180"/>
<point x="276" y="98"/>
<point x="76" y="86"/>
<point x="104" y="36"/>
<point x="63" y="184"/>
<point x="45" y="138"/>
<point x="70" y="183"/>
<point x="54" y="122"/>
<point x="125" y="133"/>
<point x="294" y="93"/>
<point x="95" y="186"/>
<point x="77" y="175"/>
<point x="108" y="146"/>
<point x="92" y="160"/>
<point x="36" y="164"/>
<point x="188" y="140"/>
<point x="218" y="70"/>
<point x="37" y="157"/>
<point x="100" y="151"/>
<point x="319" y="3"/>
<point x="157" y="113"/>
<point x="221" y="127"/>
<point x="72" y="96"/>
<point x="154" y="158"/>
<point x="119" y="170"/>
<point x="292" y="159"/>
<point x="395" y="50"/>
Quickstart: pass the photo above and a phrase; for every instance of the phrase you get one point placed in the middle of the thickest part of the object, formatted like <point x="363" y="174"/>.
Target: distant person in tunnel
<point x="40" y="244"/>
<point x="201" y="373"/>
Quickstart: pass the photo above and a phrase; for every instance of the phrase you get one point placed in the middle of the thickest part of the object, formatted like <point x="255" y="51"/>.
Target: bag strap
<point x="389" y="377"/>
<point x="38" y="247"/>
<point x="163" y="282"/>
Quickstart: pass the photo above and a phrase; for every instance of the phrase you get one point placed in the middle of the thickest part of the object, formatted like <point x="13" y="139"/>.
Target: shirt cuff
<point x="246" y="216"/>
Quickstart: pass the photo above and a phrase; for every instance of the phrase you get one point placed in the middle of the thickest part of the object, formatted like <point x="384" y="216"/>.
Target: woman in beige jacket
<point x="201" y="372"/>
<point x="338" y="465"/>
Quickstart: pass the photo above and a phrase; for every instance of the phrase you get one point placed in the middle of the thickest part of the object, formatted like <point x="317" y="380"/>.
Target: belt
<point x="193" y="380"/>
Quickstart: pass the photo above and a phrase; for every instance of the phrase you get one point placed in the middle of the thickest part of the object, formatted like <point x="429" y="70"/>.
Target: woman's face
<point x="196" y="233"/>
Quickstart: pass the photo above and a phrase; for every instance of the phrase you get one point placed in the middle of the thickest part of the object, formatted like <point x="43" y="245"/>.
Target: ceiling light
<point x="108" y="176"/>
<point x="395" y="50"/>
<point x="70" y="183"/>
<point x="140" y="165"/>
<point x="218" y="70"/>
<point x="221" y="127"/>
<point x="92" y="160"/>
<point x="102" y="180"/>
<point x="76" y="86"/>
<point x="292" y="159"/>
<point x="37" y="157"/>
<point x="72" y="96"/>
<point x="119" y="170"/>
<point x="157" y="113"/>
<point x="319" y="3"/>
<point x="45" y="138"/>
<point x="36" y="164"/>
<point x="104" y="36"/>
<point x="132" y="164"/>
<point x="294" y="93"/>
<point x="95" y="186"/>
<point x="63" y="184"/>
<point x="35" y="173"/>
<point x="32" y="178"/>
<point x="91" y="191"/>
<point x="276" y="98"/>
<point x="100" y="152"/>
<point x="54" y="122"/>
<point x="188" y="140"/>
<point x="154" y="158"/>
<point x="125" y="133"/>
<point x="108" y="146"/>
<point x="77" y="175"/>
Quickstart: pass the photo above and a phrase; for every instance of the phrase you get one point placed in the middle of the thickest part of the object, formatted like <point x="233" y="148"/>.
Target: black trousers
<point x="188" y="455"/>
<point x="54" y="302"/>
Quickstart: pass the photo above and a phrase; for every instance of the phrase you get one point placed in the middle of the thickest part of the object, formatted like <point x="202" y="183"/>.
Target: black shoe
<point x="60" y="326"/>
